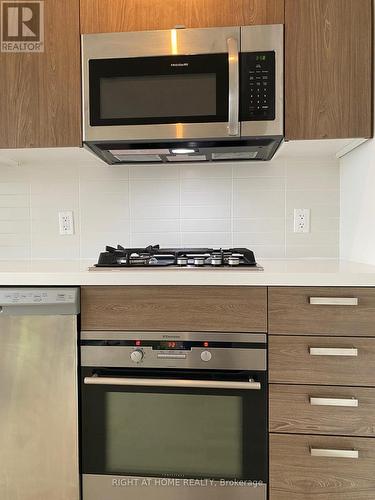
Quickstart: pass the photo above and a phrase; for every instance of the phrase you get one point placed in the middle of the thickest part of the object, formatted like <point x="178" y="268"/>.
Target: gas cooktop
<point x="153" y="256"/>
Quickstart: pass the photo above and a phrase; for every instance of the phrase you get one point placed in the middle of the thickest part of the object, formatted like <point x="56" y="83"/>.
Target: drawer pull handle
<point x="333" y="301"/>
<point x="349" y="402"/>
<point x="333" y="351"/>
<point x="319" y="452"/>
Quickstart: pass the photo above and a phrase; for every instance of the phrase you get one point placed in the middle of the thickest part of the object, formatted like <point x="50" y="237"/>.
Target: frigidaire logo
<point x="180" y="64"/>
<point x="22" y="26"/>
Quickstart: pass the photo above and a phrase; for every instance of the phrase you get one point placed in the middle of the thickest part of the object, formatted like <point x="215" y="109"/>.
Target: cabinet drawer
<point x="297" y="475"/>
<point x="322" y="311"/>
<point x="174" y="308"/>
<point x="302" y="409"/>
<point x="321" y="360"/>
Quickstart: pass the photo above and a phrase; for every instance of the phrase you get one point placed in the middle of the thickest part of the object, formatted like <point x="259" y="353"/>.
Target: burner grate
<point x="154" y="256"/>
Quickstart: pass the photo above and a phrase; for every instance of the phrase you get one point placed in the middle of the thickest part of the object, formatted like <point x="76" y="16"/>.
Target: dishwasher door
<point x="38" y="394"/>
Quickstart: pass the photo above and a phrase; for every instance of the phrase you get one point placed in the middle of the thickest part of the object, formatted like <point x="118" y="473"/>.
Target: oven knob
<point x="137" y="356"/>
<point x="206" y="356"/>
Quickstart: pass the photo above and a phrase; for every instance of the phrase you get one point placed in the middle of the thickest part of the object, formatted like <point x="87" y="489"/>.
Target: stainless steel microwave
<point x="184" y="95"/>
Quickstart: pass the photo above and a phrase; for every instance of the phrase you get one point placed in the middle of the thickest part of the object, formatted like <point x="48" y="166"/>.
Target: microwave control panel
<point x="257" y="86"/>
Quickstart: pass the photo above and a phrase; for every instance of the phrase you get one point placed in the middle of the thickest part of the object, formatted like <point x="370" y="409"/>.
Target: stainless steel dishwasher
<point x="38" y="394"/>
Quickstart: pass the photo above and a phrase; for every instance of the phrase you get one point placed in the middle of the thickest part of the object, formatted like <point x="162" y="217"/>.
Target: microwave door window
<point x="174" y="435"/>
<point x="159" y="90"/>
<point x="158" y="96"/>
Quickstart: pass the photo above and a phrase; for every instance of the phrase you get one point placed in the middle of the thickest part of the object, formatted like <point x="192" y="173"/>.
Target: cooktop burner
<point x="154" y="256"/>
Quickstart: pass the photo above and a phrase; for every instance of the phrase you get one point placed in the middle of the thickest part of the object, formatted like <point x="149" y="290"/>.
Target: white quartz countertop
<point x="314" y="272"/>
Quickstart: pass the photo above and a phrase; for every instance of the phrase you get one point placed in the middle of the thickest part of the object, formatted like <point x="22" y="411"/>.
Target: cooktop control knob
<point x="206" y="356"/>
<point x="137" y="356"/>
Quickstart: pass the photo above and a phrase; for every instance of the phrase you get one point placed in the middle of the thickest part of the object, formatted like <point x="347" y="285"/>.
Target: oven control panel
<point x="257" y="86"/>
<point x="170" y="350"/>
<point x="234" y="352"/>
<point x="137" y="355"/>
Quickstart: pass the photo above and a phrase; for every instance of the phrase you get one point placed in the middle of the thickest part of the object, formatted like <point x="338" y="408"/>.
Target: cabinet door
<point x="316" y="409"/>
<point x="328" y="50"/>
<point x="321" y="467"/>
<point x="101" y="16"/>
<point x="345" y="361"/>
<point x="40" y="98"/>
<point x="174" y="308"/>
<point x="327" y="311"/>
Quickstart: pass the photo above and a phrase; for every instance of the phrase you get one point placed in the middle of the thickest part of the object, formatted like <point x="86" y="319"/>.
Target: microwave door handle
<point x="183" y="384"/>
<point x="234" y="87"/>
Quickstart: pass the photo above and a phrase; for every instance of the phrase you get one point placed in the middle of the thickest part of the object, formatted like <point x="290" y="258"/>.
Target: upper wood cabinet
<point x="40" y="97"/>
<point x="328" y="69"/>
<point x="101" y="16"/>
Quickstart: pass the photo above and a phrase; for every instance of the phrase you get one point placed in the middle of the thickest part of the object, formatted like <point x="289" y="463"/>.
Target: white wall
<point x="357" y="235"/>
<point x="221" y="205"/>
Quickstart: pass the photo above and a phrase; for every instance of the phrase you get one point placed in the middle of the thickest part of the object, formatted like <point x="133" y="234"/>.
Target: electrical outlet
<point x="301" y="220"/>
<point x="66" y="222"/>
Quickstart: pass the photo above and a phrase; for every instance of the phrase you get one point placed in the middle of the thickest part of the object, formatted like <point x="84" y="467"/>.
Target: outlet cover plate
<point x="301" y="220"/>
<point x="66" y="222"/>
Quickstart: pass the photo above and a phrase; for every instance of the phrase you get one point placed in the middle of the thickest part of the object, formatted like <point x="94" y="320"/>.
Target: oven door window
<point x="169" y="432"/>
<point x="158" y="90"/>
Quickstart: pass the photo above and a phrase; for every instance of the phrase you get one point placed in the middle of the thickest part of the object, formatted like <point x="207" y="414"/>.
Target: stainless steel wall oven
<point x="174" y="415"/>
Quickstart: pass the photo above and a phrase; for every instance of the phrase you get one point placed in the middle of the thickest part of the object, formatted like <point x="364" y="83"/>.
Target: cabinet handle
<point x="333" y="301"/>
<point x="333" y="351"/>
<point x="320" y="452"/>
<point x="349" y="402"/>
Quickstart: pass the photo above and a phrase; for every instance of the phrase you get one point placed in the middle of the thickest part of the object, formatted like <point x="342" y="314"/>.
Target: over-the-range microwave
<point x="184" y="95"/>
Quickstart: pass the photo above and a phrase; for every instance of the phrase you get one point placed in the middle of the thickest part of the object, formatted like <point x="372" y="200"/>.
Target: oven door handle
<point x="164" y="382"/>
<point x="234" y="87"/>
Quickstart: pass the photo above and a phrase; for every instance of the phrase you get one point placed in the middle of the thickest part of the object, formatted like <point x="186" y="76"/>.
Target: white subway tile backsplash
<point x="14" y="227"/>
<point x="154" y="172"/>
<point x="163" y="239"/>
<point x="261" y="203"/>
<point x="323" y="203"/>
<point x="250" y="239"/>
<point x="206" y="212"/>
<point x="155" y="211"/>
<point x="204" y="239"/>
<point x="14" y="200"/>
<point x="14" y="213"/>
<point x="261" y="224"/>
<point x="7" y="188"/>
<point x="275" y="168"/>
<point x="101" y="172"/>
<point x="312" y="175"/>
<point x="269" y="251"/>
<point x="198" y="225"/>
<point x="225" y="204"/>
<point x="212" y="171"/>
<point x="310" y="252"/>
<point x="314" y="238"/>
<point x="21" y="252"/>
<point x="154" y="192"/>
<point x="206" y="192"/>
<point x="155" y="225"/>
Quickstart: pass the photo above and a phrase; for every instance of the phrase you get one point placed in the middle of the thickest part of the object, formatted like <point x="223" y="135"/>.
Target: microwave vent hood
<point x="184" y="95"/>
<point x="123" y="153"/>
